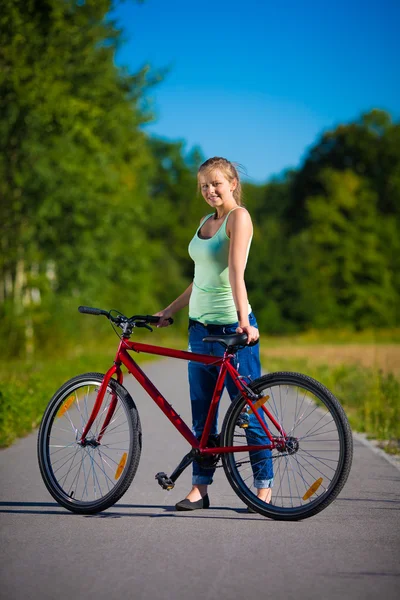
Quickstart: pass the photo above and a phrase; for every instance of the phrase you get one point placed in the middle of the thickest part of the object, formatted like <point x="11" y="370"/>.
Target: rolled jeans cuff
<point x="263" y="483"/>
<point x="201" y="480"/>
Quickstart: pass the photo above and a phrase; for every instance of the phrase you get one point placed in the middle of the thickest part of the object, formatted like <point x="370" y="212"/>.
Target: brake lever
<point x="141" y="324"/>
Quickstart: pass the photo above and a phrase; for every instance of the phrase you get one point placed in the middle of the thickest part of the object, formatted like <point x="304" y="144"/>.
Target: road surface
<point x="143" y="549"/>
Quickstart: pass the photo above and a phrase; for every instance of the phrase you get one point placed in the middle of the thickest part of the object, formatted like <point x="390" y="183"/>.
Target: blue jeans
<point x="202" y="380"/>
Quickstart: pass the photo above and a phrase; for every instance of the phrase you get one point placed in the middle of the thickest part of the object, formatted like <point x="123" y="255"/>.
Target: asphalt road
<point x="142" y="549"/>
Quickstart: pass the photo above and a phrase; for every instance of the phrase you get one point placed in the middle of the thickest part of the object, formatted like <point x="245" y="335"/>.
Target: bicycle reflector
<point x="312" y="489"/>
<point x="121" y="465"/>
<point x="64" y="407"/>
<point x="259" y="403"/>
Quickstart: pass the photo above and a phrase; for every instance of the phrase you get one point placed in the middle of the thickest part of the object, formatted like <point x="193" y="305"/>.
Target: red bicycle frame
<point x="224" y="362"/>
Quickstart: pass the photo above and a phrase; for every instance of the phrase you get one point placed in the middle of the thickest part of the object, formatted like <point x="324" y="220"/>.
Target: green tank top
<point x="211" y="300"/>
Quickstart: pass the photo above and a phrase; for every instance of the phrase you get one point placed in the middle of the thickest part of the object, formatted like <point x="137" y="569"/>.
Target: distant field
<point x="375" y="356"/>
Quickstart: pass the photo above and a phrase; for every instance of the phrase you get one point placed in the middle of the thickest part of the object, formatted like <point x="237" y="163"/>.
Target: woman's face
<point x="215" y="188"/>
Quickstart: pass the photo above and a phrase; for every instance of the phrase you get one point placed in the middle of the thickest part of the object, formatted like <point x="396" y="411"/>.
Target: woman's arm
<point x="180" y="302"/>
<point x="240" y="231"/>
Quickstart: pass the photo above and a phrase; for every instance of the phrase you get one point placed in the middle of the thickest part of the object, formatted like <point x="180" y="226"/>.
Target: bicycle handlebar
<point x="93" y="311"/>
<point x="136" y="319"/>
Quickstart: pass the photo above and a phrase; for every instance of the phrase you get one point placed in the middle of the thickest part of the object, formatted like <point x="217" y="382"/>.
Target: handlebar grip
<point x="93" y="311"/>
<point x="152" y="319"/>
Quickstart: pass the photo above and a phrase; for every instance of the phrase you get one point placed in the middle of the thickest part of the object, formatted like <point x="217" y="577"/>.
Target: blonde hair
<point x="229" y="170"/>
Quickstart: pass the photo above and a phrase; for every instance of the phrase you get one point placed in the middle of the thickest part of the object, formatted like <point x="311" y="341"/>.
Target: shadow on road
<point x="379" y="500"/>
<point x="34" y="508"/>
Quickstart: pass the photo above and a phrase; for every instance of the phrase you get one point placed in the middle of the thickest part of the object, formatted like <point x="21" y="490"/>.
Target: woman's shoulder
<point x="238" y="217"/>
<point x="239" y="212"/>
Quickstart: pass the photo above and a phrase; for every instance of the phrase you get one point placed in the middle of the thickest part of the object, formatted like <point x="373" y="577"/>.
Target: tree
<point x="349" y="279"/>
<point x="73" y="159"/>
<point x="370" y="147"/>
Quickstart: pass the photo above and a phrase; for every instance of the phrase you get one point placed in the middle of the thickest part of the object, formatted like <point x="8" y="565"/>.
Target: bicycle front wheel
<point x="307" y="466"/>
<point x="88" y="478"/>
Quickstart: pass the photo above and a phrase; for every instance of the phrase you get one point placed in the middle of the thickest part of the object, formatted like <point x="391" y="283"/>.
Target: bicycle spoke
<point x="320" y="460"/>
<point x="64" y="478"/>
<point x="72" y="453"/>
<point x="72" y="487"/>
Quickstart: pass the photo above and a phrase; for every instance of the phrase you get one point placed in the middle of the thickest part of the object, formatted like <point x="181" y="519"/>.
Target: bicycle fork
<point x="99" y="401"/>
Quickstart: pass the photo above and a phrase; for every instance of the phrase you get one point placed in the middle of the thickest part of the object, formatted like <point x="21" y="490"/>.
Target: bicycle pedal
<point x="165" y="482"/>
<point x="243" y="420"/>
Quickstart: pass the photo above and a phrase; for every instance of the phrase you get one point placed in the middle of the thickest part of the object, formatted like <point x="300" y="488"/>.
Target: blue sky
<point x="258" y="81"/>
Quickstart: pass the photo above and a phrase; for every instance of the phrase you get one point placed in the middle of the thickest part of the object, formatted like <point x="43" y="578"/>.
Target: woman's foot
<point x="188" y="505"/>
<point x="196" y="498"/>
<point x="197" y="493"/>
<point x="264" y="494"/>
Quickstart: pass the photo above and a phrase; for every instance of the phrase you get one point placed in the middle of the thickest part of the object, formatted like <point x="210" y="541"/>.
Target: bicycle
<point x="89" y="441"/>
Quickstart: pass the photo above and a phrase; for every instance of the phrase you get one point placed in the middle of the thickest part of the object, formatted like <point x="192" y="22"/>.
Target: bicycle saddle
<point x="237" y="339"/>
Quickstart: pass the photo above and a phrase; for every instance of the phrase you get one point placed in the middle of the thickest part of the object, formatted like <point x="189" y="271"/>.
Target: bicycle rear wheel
<point x="312" y="465"/>
<point x="89" y="478"/>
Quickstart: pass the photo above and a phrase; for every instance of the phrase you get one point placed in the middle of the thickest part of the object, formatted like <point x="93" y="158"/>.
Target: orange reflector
<point x="121" y="465"/>
<point x="312" y="489"/>
<point x="67" y="404"/>
<point x="259" y="403"/>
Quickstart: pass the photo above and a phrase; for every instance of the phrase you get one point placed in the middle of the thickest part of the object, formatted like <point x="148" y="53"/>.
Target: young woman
<point x="218" y="304"/>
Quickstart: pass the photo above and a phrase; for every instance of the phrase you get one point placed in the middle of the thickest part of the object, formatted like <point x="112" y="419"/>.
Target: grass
<point x="26" y="387"/>
<point x="363" y="374"/>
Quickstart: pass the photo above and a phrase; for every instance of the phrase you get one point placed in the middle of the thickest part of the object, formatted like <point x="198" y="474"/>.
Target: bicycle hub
<point x="289" y="445"/>
<point x="93" y="443"/>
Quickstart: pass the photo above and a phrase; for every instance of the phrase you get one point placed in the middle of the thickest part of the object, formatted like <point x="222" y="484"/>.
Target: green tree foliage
<point x="369" y="147"/>
<point x="274" y="273"/>
<point x="325" y="249"/>
<point x="347" y="268"/>
<point x="94" y="210"/>
<point x="74" y="163"/>
<point x="174" y="207"/>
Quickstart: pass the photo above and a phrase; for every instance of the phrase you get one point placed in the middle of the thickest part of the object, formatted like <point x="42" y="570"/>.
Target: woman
<point x="218" y="304"/>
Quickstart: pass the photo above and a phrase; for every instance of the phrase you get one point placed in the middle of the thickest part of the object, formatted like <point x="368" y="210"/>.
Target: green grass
<point x="26" y="387"/>
<point x="370" y="397"/>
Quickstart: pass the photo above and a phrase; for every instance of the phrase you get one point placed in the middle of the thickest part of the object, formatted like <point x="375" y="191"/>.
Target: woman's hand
<point x="164" y="316"/>
<point x="252" y="332"/>
<point x="175" y="306"/>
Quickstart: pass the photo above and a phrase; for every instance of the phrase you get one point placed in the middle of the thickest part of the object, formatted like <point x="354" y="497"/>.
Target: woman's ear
<point x="234" y="184"/>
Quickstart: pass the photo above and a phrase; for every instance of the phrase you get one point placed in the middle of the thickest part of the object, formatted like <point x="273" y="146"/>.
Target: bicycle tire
<point x="324" y="447"/>
<point x="87" y="480"/>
